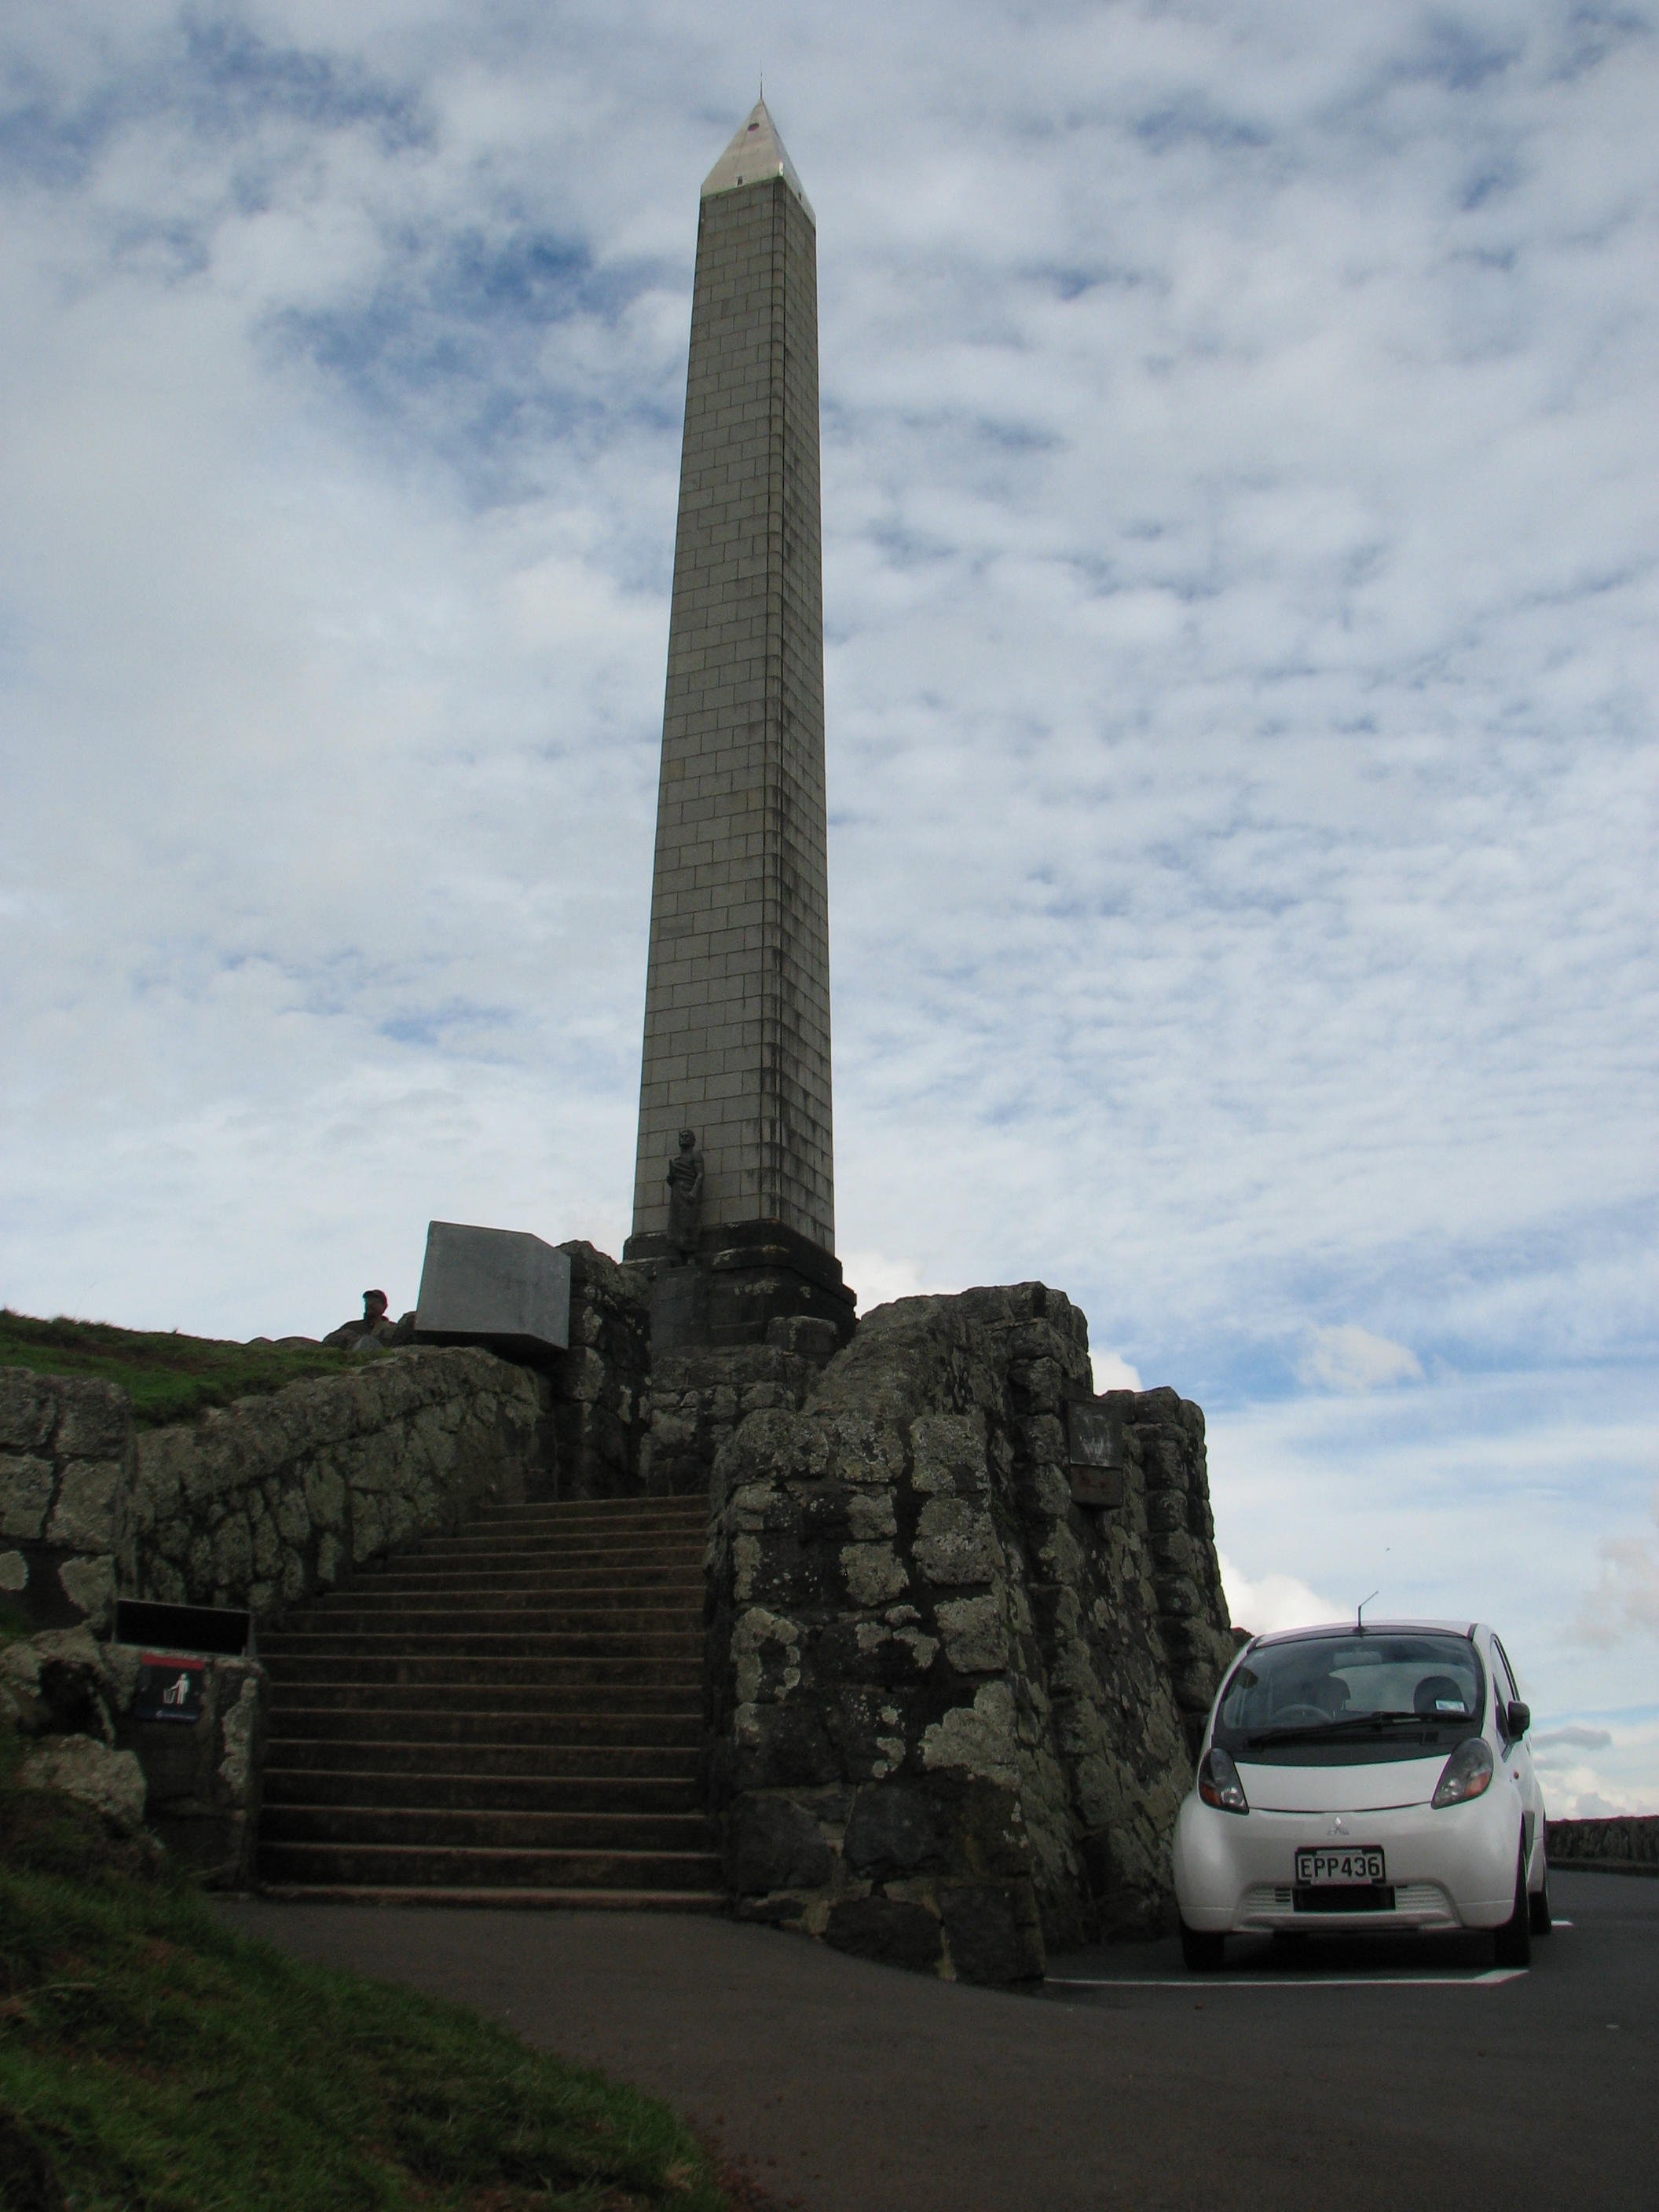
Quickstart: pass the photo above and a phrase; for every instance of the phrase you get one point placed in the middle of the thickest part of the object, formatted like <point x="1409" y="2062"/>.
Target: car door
<point x="1519" y="1766"/>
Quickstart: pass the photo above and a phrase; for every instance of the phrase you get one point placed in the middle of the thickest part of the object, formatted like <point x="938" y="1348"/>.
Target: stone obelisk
<point x="736" y="1004"/>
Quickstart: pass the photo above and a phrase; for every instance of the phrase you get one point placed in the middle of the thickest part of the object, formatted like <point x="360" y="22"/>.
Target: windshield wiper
<point x="1352" y="1728"/>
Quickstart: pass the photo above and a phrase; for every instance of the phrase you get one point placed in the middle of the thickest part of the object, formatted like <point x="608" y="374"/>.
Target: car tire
<point x="1201" y="1953"/>
<point x="1511" y="1944"/>
<point x="1538" y="1906"/>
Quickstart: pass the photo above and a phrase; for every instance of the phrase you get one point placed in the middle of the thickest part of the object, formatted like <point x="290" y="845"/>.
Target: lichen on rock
<point x="988" y="1695"/>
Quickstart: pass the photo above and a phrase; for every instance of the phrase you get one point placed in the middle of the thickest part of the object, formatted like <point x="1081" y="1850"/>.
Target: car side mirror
<point x="1517" y="1720"/>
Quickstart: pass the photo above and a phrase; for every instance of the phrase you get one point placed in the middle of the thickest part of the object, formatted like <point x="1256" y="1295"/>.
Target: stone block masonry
<point x="698" y="1398"/>
<point x="265" y="1503"/>
<point x="951" y="1713"/>
<point x="601" y="1385"/>
<point x="69" y="1467"/>
<point x="736" y="1016"/>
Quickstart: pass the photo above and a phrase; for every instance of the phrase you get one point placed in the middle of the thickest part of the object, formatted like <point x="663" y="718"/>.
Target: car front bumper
<point x="1447" y="1868"/>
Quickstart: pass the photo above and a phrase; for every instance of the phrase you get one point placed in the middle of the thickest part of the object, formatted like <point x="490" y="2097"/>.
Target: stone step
<point x="411" y="1867"/>
<point x="469" y="1678"/>
<point x="505" y="1900"/>
<point x="476" y="1543"/>
<point x="475" y="1792"/>
<point x="574" y="1725"/>
<point x="473" y="1649"/>
<point x="684" y="1501"/>
<point x="674" y="1585"/>
<point x="511" y="1712"/>
<point x="629" y="1515"/>
<point x="466" y="1828"/>
<point x="548" y="1702"/>
<point x="424" y="1610"/>
<point x="322" y="1757"/>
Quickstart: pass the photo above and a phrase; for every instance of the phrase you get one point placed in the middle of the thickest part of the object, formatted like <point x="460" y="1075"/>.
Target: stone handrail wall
<point x="950" y="1710"/>
<point x="271" y="1500"/>
<point x="68" y="1471"/>
<point x="262" y="1504"/>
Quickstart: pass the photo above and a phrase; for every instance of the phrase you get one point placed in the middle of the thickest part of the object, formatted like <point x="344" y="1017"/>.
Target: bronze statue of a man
<point x="685" y="1194"/>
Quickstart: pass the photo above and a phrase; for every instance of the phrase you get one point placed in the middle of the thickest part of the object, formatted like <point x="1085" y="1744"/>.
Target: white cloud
<point x="1113" y="1373"/>
<point x="1273" y="1601"/>
<point x="1347" y="1358"/>
<point x="1549" y="1749"/>
<point x="879" y="1278"/>
<point x="1591" y="1772"/>
<point x="1626" y="1596"/>
<point x="1241" y="570"/>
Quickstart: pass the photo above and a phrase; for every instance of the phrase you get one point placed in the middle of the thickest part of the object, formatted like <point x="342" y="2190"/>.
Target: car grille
<point x="1265" y="1902"/>
<point x="1425" y="1902"/>
<point x="1356" y="1897"/>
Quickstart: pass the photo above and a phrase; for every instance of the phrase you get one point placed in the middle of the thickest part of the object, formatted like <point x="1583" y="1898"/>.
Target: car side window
<point x="1505" y="1683"/>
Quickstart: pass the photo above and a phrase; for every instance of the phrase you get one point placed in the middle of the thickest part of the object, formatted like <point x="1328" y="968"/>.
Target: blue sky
<point x="1240" y="554"/>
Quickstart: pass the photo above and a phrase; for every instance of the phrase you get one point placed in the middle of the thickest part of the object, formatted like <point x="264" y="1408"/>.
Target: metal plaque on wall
<point x="1095" y="1449"/>
<point x="169" y="1688"/>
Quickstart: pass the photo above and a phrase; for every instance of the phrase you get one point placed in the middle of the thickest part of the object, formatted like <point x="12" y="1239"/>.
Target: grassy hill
<point x="169" y="1377"/>
<point x="150" y="2056"/>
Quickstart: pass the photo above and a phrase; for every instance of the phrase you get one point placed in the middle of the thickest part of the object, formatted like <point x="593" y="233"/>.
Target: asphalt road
<point x="1339" y="2076"/>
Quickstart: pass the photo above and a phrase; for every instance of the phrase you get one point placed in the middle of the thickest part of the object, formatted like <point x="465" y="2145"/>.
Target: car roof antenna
<point x="1359" y="1611"/>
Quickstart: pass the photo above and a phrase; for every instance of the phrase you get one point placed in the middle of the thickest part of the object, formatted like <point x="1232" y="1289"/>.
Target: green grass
<point x="169" y="1377"/>
<point x="162" y="2062"/>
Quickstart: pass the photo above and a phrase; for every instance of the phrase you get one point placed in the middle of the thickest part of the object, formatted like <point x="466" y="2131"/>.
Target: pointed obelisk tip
<point x="756" y="152"/>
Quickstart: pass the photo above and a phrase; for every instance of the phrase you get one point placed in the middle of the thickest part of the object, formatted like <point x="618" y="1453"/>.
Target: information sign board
<point x="169" y="1687"/>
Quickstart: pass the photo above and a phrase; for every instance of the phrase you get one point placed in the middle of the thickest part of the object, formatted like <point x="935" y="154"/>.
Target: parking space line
<point x="1195" y="1982"/>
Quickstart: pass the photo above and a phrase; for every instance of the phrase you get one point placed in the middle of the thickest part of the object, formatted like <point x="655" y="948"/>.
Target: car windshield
<point x="1351" y="1696"/>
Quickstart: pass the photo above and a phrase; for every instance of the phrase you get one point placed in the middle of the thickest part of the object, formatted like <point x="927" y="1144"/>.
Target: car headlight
<point x="1468" y="1773"/>
<point x="1219" y="1784"/>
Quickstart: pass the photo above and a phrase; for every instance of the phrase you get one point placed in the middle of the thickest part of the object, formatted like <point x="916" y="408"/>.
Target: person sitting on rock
<point x="373" y="1328"/>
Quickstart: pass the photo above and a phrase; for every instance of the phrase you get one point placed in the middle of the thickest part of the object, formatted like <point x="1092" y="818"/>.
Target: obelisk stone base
<point x="744" y="1276"/>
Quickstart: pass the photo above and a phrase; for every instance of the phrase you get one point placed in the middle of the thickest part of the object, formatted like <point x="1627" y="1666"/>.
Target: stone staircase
<point x="510" y="1715"/>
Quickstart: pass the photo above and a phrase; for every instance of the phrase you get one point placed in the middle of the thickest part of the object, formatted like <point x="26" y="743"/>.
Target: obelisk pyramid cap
<point x="756" y="152"/>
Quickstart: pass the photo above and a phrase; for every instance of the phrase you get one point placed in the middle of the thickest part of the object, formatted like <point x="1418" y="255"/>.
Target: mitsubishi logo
<point x="1339" y="1825"/>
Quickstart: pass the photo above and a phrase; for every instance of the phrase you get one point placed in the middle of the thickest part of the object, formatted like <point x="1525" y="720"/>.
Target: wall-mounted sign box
<point x="1094" y="1441"/>
<point x="170" y="1687"/>
<point x="216" y="1628"/>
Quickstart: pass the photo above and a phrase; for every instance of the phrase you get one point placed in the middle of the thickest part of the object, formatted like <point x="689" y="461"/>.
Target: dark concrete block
<point x="501" y="1288"/>
<point x="679" y="1309"/>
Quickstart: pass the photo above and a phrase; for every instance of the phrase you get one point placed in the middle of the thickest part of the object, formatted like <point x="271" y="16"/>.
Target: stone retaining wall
<point x="267" y="1502"/>
<point x="68" y="1478"/>
<point x="949" y="1711"/>
<point x="194" y="1785"/>
<point x="262" y="1504"/>
<point x="601" y="1385"/>
<point x="1629" y="1844"/>
<point x="698" y="1397"/>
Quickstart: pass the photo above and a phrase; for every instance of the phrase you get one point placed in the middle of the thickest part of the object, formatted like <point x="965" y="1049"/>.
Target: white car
<point x="1364" y="1780"/>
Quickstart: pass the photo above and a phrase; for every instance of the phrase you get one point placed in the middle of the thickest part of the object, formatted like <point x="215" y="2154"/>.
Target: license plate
<point x="1351" y="1864"/>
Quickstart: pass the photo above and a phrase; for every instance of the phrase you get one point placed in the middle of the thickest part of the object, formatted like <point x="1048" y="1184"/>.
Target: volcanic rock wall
<point x="69" y="1467"/>
<point x="949" y="1711"/>
<point x="600" y="1386"/>
<point x="268" y="1501"/>
<point x="260" y="1504"/>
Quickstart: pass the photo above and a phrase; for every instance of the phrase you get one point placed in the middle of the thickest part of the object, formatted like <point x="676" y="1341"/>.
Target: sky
<point x="1241" y="509"/>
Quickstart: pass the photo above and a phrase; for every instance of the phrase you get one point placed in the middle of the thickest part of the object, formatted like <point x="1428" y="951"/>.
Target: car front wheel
<point x="1201" y="1952"/>
<point x="1538" y="1907"/>
<point x="1511" y="1944"/>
